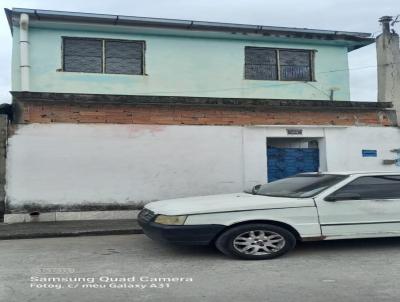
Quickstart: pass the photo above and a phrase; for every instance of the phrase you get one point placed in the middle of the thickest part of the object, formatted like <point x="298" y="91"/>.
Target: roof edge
<point x="50" y="15"/>
<point x="8" y="13"/>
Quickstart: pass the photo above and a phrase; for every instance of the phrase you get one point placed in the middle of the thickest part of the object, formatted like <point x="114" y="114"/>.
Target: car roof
<point x="356" y="173"/>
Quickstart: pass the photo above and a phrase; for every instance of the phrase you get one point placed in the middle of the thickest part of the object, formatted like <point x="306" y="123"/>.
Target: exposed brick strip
<point x="63" y="112"/>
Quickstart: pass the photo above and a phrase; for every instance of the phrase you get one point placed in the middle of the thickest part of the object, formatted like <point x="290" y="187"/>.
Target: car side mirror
<point x="255" y="189"/>
<point x="343" y="196"/>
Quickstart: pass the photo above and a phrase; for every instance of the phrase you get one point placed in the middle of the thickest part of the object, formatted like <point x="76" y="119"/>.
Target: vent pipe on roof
<point x="388" y="61"/>
<point x="24" y="51"/>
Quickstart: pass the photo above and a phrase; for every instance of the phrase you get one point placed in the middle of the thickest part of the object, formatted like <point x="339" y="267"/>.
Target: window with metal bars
<point x="262" y="63"/>
<point x="103" y="56"/>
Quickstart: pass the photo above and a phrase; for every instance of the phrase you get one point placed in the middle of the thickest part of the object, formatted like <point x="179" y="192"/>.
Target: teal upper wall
<point x="209" y="65"/>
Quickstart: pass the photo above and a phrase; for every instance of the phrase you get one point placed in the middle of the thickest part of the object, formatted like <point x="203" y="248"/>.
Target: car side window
<point x="373" y="187"/>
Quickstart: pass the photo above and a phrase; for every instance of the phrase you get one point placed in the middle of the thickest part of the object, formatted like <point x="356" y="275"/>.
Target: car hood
<point x="225" y="203"/>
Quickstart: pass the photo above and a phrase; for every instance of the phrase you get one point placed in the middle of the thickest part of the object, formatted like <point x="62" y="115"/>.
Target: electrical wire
<point x="267" y="86"/>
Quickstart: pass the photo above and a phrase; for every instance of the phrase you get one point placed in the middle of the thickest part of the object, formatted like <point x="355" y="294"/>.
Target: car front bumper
<point x="180" y="234"/>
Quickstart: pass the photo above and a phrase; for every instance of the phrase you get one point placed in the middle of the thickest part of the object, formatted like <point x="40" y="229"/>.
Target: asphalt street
<point x="134" y="268"/>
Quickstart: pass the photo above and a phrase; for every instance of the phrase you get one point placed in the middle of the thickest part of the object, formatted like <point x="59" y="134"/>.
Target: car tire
<point x="256" y="241"/>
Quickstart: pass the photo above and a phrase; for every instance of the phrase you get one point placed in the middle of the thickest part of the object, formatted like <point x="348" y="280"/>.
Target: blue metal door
<point x="284" y="162"/>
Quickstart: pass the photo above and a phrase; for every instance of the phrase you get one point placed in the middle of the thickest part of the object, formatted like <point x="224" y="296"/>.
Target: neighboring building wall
<point x="388" y="60"/>
<point x="182" y="66"/>
<point x="3" y="153"/>
<point x="70" y="167"/>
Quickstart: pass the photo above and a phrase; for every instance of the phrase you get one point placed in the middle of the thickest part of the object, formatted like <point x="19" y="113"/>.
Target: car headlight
<point x="171" y="220"/>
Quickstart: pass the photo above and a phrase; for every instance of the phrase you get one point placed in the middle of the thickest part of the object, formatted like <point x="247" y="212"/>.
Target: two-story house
<point x="111" y="112"/>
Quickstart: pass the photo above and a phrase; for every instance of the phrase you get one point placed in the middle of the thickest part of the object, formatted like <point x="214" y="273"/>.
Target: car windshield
<point x="300" y="186"/>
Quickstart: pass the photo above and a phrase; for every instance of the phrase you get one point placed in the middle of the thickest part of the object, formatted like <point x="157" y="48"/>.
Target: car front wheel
<point x="256" y="241"/>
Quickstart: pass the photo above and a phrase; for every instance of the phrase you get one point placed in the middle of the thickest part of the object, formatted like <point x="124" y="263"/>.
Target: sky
<point x="346" y="15"/>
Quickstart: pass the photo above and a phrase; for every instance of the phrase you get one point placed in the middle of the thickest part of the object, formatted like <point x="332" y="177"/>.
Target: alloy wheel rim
<point x="259" y="242"/>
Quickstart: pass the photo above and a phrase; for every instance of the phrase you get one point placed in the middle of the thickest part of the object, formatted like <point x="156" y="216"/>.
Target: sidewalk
<point x="68" y="228"/>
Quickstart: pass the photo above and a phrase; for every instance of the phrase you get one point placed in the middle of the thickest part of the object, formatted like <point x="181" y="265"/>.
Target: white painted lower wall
<point x="72" y="166"/>
<point x="78" y="167"/>
<point x="344" y="147"/>
<point x="68" y="216"/>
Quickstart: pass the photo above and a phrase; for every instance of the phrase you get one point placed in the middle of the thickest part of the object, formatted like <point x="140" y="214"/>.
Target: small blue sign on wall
<point x="369" y="153"/>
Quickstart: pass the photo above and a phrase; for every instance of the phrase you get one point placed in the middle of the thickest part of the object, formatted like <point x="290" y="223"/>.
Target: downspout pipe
<point x="24" y="51"/>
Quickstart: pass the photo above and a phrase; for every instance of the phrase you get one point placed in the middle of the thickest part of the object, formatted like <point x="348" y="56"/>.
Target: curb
<point x="70" y="234"/>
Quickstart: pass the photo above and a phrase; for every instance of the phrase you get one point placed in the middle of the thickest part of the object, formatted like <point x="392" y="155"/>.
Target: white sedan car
<point x="268" y="221"/>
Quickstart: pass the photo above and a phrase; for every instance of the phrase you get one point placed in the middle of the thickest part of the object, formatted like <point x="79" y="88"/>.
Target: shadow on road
<point x="303" y="248"/>
<point x="350" y="244"/>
